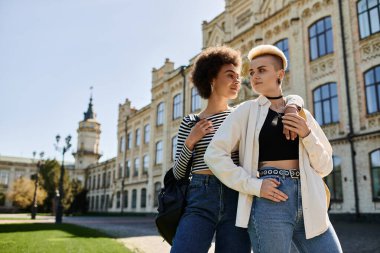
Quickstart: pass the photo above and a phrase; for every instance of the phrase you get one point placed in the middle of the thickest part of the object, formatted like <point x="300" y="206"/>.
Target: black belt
<point x="280" y="172"/>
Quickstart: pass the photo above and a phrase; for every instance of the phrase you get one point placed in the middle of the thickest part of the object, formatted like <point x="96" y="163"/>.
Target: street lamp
<point x="39" y="165"/>
<point x="66" y="147"/>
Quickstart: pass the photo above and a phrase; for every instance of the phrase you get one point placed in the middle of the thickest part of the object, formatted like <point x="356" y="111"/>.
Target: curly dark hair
<point x="208" y="64"/>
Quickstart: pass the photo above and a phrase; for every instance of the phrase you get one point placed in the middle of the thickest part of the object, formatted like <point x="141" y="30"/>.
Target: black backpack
<point x="172" y="200"/>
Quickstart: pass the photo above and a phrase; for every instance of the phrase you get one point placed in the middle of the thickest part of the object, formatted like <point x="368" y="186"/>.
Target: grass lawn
<point x="48" y="237"/>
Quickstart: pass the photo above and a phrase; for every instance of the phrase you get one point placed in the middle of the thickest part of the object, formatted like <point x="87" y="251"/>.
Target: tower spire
<point x="90" y="113"/>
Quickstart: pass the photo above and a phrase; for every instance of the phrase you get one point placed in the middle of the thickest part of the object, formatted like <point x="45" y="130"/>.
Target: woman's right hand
<point x="269" y="190"/>
<point x="200" y="129"/>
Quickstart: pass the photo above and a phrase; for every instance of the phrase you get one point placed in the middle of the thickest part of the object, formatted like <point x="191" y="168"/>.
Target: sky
<point x="53" y="51"/>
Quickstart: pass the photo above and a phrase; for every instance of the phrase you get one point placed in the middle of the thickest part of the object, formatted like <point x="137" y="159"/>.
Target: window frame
<point x="330" y="99"/>
<point x="367" y="12"/>
<point x="318" y="35"/>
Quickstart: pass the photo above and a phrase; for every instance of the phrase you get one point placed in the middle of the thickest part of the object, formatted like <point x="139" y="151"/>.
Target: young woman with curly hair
<point x="211" y="206"/>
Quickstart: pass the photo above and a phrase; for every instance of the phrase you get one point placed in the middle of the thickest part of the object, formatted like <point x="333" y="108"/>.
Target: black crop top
<point x="273" y="145"/>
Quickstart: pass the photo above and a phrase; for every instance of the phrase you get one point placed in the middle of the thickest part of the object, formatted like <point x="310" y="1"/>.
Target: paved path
<point x="139" y="233"/>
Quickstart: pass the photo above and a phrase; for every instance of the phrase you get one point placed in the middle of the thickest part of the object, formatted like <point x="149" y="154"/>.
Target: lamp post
<point x="39" y="165"/>
<point x="66" y="147"/>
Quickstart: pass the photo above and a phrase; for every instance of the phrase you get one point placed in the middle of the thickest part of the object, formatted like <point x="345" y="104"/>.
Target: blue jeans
<point x="273" y="226"/>
<point x="211" y="209"/>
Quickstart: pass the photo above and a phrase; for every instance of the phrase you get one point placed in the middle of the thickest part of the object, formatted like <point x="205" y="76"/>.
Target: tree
<point x="50" y="173"/>
<point x="22" y="193"/>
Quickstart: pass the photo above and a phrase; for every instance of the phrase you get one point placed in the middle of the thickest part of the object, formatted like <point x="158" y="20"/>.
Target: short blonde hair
<point x="268" y="50"/>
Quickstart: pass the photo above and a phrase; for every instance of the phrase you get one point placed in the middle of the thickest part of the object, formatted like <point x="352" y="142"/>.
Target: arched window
<point x="368" y="16"/>
<point x="145" y="164"/>
<point x="138" y="137"/>
<point x="157" y="189"/>
<point x="136" y="167"/>
<point x="126" y="199"/>
<point x="372" y="89"/>
<point x="325" y="98"/>
<point x="134" y="198"/>
<point x="159" y="152"/>
<point x="334" y="180"/>
<point x="375" y="174"/>
<point x="195" y="100"/>
<point x="321" y="38"/>
<point x="174" y="146"/>
<point x="160" y="114"/>
<point x="284" y="47"/>
<point x="143" y="198"/>
<point x="146" y="133"/>
<point x="177" y="106"/>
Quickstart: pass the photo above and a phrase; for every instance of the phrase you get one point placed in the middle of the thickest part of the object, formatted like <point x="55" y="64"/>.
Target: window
<point x="174" y="147"/>
<point x="94" y="182"/>
<point x="138" y="137"/>
<point x="134" y="198"/>
<point x="102" y="202"/>
<point x="2" y="199"/>
<point x="368" y="16"/>
<point x="195" y="100"/>
<point x="145" y="164"/>
<point x="143" y="198"/>
<point x="4" y="177"/>
<point x="98" y="185"/>
<point x="129" y="141"/>
<point x="104" y="180"/>
<point x="125" y="199"/>
<point x="321" y="38"/>
<point x="157" y="189"/>
<point x="159" y="152"/>
<point x="177" y="106"/>
<point x="88" y="181"/>
<point x="334" y="180"/>
<point x="375" y="174"/>
<point x="92" y="202"/>
<point x="122" y="144"/>
<point x="107" y="201"/>
<point x="127" y="168"/>
<point x="111" y="202"/>
<point x="120" y="171"/>
<point x="97" y="202"/>
<point x="136" y="167"/>
<point x="283" y="46"/>
<point x="118" y="200"/>
<point x="160" y="114"/>
<point x="326" y="104"/>
<point x="372" y="89"/>
<point x="109" y="179"/>
<point x="146" y="133"/>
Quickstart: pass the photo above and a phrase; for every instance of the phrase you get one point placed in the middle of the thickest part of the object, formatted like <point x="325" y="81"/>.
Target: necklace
<point x="278" y="116"/>
<point x="274" y="97"/>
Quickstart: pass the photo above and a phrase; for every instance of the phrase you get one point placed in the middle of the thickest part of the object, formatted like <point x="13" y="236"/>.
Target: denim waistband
<point x="206" y="179"/>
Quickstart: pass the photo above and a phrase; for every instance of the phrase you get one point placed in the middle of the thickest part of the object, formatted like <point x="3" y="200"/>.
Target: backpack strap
<point x="194" y="118"/>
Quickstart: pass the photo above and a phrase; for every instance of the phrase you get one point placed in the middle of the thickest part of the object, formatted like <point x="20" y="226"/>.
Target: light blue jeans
<point x="273" y="226"/>
<point x="211" y="209"/>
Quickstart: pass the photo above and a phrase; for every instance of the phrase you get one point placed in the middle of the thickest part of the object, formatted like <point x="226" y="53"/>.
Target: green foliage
<point x="50" y="174"/>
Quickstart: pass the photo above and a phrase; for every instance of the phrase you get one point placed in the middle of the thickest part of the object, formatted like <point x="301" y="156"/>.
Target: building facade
<point x="333" y="49"/>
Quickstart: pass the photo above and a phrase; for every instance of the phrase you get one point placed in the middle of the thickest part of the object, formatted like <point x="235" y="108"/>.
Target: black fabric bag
<point x="172" y="200"/>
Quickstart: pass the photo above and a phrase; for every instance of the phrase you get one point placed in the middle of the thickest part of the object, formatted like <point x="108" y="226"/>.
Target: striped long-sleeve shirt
<point x="183" y="154"/>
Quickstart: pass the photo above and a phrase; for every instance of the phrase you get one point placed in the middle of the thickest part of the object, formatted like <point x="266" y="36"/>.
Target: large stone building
<point x="333" y="49"/>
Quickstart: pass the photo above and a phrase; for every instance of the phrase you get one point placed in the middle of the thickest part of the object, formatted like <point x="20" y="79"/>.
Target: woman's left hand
<point x="297" y="124"/>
